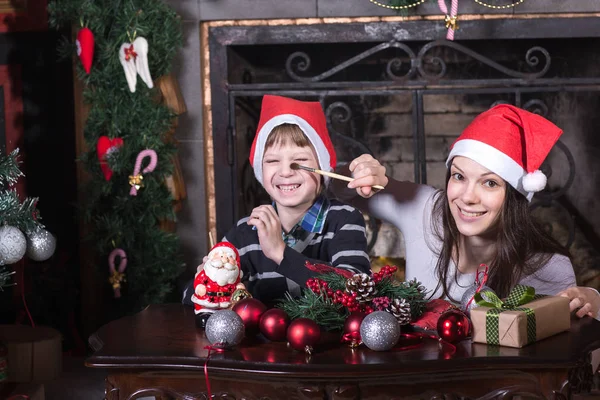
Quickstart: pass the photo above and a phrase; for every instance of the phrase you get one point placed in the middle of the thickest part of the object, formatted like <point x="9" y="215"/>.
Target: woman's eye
<point x="270" y="161"/>
<point x="491" y="184"/>
<point x="457" y="176"/>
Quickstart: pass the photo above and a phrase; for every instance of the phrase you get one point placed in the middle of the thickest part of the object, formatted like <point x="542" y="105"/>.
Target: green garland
<point x="320" y="309"/>
<point x="331" y="316"/>
<point x="116" y="219"/>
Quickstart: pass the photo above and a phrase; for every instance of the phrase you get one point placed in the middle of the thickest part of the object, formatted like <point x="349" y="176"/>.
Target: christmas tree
<point x="123" y="46"/>
<point x="18" y="219"/>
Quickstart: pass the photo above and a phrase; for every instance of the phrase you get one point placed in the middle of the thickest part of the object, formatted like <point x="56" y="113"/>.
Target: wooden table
<point x="160" y="352"/>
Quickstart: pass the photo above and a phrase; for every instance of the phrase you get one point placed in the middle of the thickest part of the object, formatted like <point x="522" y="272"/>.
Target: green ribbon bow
<point x="519" y="296"/>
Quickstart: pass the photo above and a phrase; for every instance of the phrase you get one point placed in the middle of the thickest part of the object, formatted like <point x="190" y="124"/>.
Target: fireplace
<point x="390" y="90"/>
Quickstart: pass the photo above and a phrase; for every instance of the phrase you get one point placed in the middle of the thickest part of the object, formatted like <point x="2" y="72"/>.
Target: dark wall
<point x="47" y="147"/>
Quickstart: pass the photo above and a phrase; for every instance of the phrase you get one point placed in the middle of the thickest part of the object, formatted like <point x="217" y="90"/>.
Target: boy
<point x="301" y="225"/>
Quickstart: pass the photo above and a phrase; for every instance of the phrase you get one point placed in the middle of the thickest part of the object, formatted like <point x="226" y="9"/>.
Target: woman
<point x="482" y="217"/>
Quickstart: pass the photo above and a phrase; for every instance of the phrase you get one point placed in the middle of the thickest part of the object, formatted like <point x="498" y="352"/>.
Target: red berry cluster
<point x="381" y="303"/>
<point x="319" y="286"/>
<point x="386" y="271"/>
<point x="346" y="299"/>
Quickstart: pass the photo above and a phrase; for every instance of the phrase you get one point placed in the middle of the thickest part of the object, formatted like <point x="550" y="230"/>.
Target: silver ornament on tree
<point x="380" y="331"/>
<point x="224" y="328"/>
<point x="41" y="245"/>
<point x="13" y="244"/>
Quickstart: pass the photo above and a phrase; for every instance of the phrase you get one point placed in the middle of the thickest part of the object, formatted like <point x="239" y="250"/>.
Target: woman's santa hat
<point x="227" y="248"/>
<point x="512" y="143"/>
<point x="307" y="115"/>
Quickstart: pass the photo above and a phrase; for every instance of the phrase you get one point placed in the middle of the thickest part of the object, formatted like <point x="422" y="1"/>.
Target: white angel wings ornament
<point x="134" y="59"/>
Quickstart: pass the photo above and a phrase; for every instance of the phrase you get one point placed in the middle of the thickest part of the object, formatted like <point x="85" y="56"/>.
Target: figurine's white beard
<point x="225" y="275"/>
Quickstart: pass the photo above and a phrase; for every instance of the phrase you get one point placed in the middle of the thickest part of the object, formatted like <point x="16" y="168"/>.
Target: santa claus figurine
<point x="215" y="281"/>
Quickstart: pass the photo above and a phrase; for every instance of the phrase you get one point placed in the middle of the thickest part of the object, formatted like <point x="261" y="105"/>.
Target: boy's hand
<point x="367" y="172"/>
<point x="268" y="226"/>
<point x="583" y="299"/>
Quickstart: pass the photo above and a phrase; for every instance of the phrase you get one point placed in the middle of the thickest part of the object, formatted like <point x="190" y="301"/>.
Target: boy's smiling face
<point x="289" y="188"/>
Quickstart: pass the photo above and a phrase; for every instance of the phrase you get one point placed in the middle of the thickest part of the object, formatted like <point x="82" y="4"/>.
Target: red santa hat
<point x="228" y="248"/>
<point x="512" y="143"/>
<point x="307" y="115"/>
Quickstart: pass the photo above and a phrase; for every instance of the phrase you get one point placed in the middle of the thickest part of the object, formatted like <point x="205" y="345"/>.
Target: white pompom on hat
<point x="512" y="143"/>
<point x="307" y="115"/>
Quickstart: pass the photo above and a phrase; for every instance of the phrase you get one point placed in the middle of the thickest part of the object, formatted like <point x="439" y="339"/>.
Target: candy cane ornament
<point x="451" y="18"/>
<point x="136" y="180"/>
<point x="117" y="276"/>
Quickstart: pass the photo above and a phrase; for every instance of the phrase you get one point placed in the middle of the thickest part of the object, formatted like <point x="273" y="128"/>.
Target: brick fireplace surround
<point x="428" y="114"/>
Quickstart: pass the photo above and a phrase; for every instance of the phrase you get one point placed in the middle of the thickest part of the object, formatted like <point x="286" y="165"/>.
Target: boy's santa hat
<point x="512" y="143"/>
<point x="307" y="115"/>
<point x="227" y="248"/>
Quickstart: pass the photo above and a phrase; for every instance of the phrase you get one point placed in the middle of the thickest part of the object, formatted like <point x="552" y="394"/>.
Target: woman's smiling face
<point x="475" y="197"/>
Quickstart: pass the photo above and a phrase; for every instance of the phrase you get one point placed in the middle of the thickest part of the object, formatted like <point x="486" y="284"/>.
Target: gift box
<point x="33" y="354"/>
<point x="521" y="319"/>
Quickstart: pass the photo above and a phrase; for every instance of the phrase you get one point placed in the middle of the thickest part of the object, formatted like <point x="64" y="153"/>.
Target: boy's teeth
<point x="287" y="188"/>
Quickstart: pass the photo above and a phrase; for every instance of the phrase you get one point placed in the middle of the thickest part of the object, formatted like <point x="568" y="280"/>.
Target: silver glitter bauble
<point x="13" y="244"/>
<point x="40" y="245"/>
<point x="468" y="295"/>
<point x="380" y="331"/>
<point x="224" y="328"/>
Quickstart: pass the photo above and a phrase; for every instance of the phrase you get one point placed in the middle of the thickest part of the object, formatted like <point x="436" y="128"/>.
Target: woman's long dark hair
<point x="523" y="245"/>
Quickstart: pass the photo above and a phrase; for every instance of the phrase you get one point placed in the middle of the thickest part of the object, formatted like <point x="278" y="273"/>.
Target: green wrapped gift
<point x="521" y="319"/>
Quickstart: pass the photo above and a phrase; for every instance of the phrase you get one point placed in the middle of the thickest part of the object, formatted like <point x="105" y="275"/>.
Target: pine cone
<point x="400" y="308"/>
<point x="363" y="286"/>
<point x="414" y="283"/>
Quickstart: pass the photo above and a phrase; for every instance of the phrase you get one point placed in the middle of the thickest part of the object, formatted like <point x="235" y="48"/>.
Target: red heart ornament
<point x="85" y="48"/>
<point x="104" y="147"/>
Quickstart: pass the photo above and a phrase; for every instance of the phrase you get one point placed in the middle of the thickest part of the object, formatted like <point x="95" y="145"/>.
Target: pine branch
<point x="410" y="291"/>
<point x="323" y="311"/>
<point x="20" y="215"/>
<point x="334" y="281"/>
<point x="5" y="278"/>
<point x="9" y="169"/>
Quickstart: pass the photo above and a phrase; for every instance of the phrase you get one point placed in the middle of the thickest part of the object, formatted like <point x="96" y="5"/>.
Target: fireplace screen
<point x="402" y="101"/>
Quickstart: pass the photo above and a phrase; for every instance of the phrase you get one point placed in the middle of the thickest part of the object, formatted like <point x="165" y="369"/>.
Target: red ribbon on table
<point x="422" y="335"/>
<point x="479" y="283"/>
<point x="218" y="349"/>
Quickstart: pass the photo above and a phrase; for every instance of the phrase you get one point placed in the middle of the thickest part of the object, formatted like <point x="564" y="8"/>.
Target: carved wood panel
<point x="461" y="385"/>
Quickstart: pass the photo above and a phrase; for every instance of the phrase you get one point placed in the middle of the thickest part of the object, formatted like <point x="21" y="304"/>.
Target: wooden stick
<point x="211" y="240"/>
<point x="341" y="177"/>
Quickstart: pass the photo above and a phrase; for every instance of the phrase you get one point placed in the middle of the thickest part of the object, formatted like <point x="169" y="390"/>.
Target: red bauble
<point x="303" y="334"/>
<point x="85" y="48"/>
<point x="453" y="326"/>
<point x="274" y="324"/>
<point x="250" y="310"/>
<point x="353" y="322"/>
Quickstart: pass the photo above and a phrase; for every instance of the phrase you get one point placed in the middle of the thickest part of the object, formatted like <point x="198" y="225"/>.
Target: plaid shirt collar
<point x="313" y="221"/>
